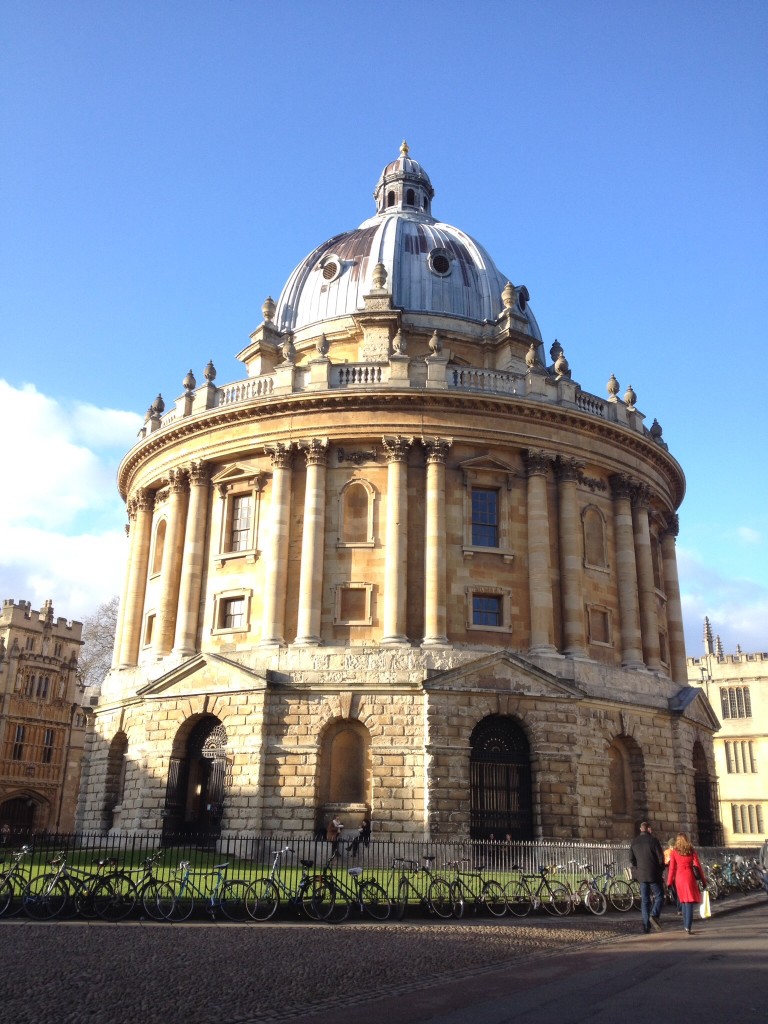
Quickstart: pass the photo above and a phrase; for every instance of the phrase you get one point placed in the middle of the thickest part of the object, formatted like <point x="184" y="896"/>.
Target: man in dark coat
<point x="647" y="857"/>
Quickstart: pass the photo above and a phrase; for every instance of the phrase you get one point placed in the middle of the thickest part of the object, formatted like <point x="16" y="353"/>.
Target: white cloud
<point x="748" y="535"/>
<point x="737" y="608"/>
<point x="62" y="521"/>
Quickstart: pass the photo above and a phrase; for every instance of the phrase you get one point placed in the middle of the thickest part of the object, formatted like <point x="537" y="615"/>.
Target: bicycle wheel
<point x="306" y="896"/>
<point x="375" y="901"/>
<point x="84" y="889"/>
<point x="439" y="898"/>
<point x="330" y="903"/>
<point x="595" y="901"/>
<point x="6" y="896"/>
<point x="518" y="898"/>
<point x="233" y="900"/>
<point x="262" y="899"/>
<point x="182" y="905"/>
<point x="558" y="900"/>
<point x="156" y="899"/>
<point x="114" y="897"/>
<point x="493" y="898"/>
<point x="620" y="895"/>
<point x="45" y="897"/>
<point x="401" y="902"/>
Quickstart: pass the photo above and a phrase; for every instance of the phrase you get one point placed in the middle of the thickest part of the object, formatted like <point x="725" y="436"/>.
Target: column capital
<point x="280" y="454"/>
<point x="177" y="481"/>
<point x="143" y="500"/>
<point x="436" y="449"/>
<point x="641" y="496"/>
<point x="537" y="463"/>
<point x="568" y="470"/>
<point x="673" y="524"/>
<point x="199" y="472"/>
<point x="315" y="451"/>
<point x="396" y="448"/>
<point x="622" y="486"/>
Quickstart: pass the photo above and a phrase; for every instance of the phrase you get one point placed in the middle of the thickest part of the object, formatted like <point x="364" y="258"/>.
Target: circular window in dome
<point x="440" y="262"/>
<point x="331" y="267"/>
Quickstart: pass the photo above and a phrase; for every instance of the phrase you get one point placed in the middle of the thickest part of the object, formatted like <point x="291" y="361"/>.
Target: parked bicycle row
<point x="328" y="893"/>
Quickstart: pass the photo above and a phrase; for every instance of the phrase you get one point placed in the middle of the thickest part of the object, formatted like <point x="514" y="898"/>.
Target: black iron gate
<point x="501" y="803"/>
<point x="194" y="795"/>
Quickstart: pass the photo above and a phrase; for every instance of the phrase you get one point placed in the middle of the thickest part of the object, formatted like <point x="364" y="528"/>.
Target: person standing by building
<point x="683" y="867"/>
<point x="647" y="857"/>
<point x="333" y="835"/>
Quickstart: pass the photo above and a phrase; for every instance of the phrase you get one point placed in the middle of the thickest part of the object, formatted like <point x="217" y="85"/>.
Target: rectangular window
<point x="485" y="518"/>
<point x="233" y="613"/>
<point x="599" y="626"/>
<point x="149" y="629"/>
<point x="242" y="515"/>
<point x="18" y="744"/>
<point x="486" y="610"/>
<point x="48" y="738"/>
<point x="735" y="702"/>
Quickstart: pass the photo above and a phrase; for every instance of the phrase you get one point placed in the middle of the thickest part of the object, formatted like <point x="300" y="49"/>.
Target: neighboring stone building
<point x="42" y="723"/>
<point x="404" y="568"/>
<point x="737" y="686"/>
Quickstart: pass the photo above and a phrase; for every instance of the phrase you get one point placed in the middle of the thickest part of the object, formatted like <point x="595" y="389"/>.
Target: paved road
<point x="538" y="970"/>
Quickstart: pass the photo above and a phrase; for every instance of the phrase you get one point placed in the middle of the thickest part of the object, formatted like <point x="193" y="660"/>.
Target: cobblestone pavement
<point x="201" y="973"/>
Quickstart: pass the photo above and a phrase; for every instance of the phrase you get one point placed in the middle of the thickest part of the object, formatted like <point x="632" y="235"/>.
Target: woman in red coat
<point x="682" y="861"/>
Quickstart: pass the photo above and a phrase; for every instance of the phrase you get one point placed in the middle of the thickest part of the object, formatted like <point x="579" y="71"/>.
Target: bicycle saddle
<point x="355" y="872"/>
<point x="307" y="863"/>
<point x="219" y="867"/>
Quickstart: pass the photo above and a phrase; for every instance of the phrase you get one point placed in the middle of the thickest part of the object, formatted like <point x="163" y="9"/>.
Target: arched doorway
<point x="626" y="778"/>
<point x="18" y="814"/>
<point x="501" y="802"/>
<point x="705" y="785"/>
<point x="194" y="798"/>
<point x="115" y="781"/>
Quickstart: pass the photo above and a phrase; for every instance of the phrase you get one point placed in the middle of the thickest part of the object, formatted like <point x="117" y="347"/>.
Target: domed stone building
<point x="405" y="568"/>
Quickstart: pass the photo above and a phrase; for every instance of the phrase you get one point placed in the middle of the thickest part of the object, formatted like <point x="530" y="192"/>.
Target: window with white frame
<point x="488" y="489"/>
<point x="488" y="608"/>
<point x="231" y="613"/>
<point x="241" y="490"/>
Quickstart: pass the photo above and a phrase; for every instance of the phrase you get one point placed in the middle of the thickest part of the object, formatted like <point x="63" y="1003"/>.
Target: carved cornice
<point x="315" y="451"/>
<point x="396" y="448"/>
<point x="436" y="449"/>
<point x="513" y="411"/>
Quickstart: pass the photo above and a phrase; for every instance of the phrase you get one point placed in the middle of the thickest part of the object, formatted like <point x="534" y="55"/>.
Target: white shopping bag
<point x="704" y="908"/>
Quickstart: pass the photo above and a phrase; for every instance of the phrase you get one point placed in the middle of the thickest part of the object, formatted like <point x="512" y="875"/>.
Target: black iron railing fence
<point x="252" y="855"/>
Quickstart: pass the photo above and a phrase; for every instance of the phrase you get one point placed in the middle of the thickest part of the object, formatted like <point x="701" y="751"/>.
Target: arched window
<point x="410" y="197"/>
<point x="114" y="786"/>
<point x="390" y="198"/>
<point x="501" y="802"/>
<point x="345" y="770"/>
<point x="157" y="556"/>
<point x="595" y="547"/>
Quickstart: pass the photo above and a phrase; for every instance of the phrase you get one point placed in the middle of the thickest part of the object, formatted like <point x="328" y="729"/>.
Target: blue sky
<point x="166" y="164"/>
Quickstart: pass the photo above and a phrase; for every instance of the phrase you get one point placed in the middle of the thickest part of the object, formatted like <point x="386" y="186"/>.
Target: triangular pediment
<point x="485" y="463"/>
<point x="691" y="702"/>
<point x="237" y="473"/>
<point x="204" y="673"/>
<point x="504" y="672"/>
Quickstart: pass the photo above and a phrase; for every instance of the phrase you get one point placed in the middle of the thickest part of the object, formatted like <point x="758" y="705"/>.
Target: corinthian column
<point x="676" y="634"/>
<point x="395" y="566"/>
<point x="187" y="620"/>
<point x="571" y="561"/>
<point x="435" y="617"/>
<point x="140" y="508"/>
<point x="313" y="543"/>
<point x="626" y="572"/>
<point x="276" y="569"/>
<point x="170" y="572"/>
<point x="649" y="620"/>
<point x="539" y="564"/>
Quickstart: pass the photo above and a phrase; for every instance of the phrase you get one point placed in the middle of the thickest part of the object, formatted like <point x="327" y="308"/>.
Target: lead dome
<point x="432" y="267"/>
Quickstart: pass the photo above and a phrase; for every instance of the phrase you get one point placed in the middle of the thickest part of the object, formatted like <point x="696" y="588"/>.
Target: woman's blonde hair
<point x="683" y="845"/>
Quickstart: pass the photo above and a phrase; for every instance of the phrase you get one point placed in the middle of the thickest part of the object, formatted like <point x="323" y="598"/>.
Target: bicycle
<point x="12" y="883"/>
<point x="116" y="895"/>
<point x="61" y="891"/>
<point x="589" y="893"/>
<point x="434" y="894"/>
<point x="473" y="887"/>
<point x="333" y="898"/>
<point x="554" y="897"/>
<point x="221" y="894"/>
<point x="263" y="896"/>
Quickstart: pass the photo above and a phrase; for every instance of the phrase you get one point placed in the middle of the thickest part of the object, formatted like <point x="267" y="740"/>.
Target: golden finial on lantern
<point x="404" y="150"/>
